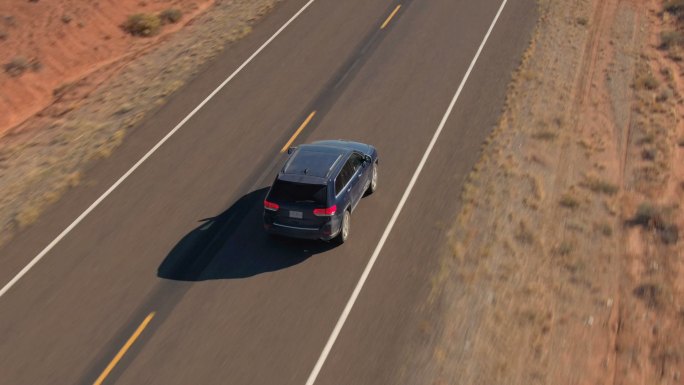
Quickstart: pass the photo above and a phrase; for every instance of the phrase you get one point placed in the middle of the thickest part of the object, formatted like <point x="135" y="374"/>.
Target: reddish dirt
<point x="649" y="346"/>
<point x="66" y="40"/>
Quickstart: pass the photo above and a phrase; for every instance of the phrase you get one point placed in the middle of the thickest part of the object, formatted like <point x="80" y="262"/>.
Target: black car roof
<point x="313" y="163"/>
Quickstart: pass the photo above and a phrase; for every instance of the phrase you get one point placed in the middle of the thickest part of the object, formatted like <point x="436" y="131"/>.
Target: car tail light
<point x="326" y="212"/>
<point x="270" y="205"/>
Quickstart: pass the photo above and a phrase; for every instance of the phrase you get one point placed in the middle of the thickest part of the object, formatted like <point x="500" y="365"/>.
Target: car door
<point x="358" y="178"/>
<point x="344" y="185"/>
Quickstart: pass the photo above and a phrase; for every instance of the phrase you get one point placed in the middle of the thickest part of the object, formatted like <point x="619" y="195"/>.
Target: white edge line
<point x="347" y="309"/>
<point x="99" y="200"/>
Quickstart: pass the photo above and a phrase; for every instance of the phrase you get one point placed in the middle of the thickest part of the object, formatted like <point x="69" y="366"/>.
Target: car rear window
<point x="312" y="163"/>
<point x="283" y="191"/>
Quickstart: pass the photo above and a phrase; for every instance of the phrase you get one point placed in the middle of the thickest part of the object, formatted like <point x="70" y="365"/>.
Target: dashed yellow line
<point x="389" y="18"/>
<point x="124" y="349"/>
<point x="301" y="127"/>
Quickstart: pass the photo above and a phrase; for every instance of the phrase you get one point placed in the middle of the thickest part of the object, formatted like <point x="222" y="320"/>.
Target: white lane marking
<point x="99" y="200"/>
<point x="347" y="309"/>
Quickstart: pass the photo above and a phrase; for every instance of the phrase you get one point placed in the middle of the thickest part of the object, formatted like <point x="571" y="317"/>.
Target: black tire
<point x="344" y="227"/>
<point x="374" y="180"/>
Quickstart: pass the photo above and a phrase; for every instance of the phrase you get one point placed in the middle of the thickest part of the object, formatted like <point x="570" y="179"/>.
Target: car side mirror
<point x="291" y="150"/>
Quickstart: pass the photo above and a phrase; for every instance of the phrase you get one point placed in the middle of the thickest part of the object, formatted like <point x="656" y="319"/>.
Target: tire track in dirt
<point x="649" y="329"/>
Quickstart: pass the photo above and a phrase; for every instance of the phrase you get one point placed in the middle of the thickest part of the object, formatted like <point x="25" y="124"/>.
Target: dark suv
<point x="316" y="191"/>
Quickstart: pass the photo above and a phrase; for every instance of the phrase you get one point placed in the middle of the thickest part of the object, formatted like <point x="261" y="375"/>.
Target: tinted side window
<point x="338" y="184"/>
<point x="357" y="161"/>
<point x="345" y="174"/>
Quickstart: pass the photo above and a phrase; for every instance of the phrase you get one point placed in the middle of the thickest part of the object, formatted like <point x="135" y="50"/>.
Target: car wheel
<point x="374" y="179"/>
<point x="345" y="227"/>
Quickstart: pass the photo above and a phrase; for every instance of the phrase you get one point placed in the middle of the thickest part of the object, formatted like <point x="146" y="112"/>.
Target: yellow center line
<point x="389" y="18"/>
<point x="124" y="349"/>
<point x="301" y="127"/>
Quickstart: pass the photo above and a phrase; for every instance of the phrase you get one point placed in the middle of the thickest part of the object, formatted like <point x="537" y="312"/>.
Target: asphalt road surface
<point x="170" y="278"/>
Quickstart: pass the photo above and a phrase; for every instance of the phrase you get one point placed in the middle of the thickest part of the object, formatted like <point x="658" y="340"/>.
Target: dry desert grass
<point x="565" y="264"/>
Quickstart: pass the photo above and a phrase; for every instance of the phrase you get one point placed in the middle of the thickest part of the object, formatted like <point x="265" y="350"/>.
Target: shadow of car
<point x="233" y="245"/>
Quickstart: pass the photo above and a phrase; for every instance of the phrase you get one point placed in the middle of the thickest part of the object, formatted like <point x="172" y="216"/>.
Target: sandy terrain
<point x="566" y="266"/>
<point x="65" y="40"/>
<point x="87" y="102"/>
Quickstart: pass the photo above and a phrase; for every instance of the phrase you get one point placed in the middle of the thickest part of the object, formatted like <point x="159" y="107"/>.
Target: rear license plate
<point x="296" y="214"/>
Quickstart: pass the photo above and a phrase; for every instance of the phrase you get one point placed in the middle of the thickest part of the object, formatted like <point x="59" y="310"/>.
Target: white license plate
<point x="296" y="214"/>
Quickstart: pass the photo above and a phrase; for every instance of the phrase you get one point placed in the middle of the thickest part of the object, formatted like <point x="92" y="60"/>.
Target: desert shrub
<point x="36" y="65"/>
<point x="666" y="72"/>
<point x="17" y="66"/>
<point x="653" y="217"/>
<point x="564" y="248"/>
<point x="125" y="108"/>
<point x="604" y="228"/>
<point x="582" y="21"/>
<point x="646" y="139"/>
<point x="646" y="213"/>
<point x="674" y="6"/>
<point x="669" y="233"/>
<point x="650" y="173"/>
<point x="649" y="153"/>
<point x="649" y="293"/>
<point x="546" y="135"/>
<point x="170" y="15"/>
<point x="63" y="89"/>
<point x="600" y="186"/>
<point x="10" y="20"/>
<point x="647" y="81"/>
<point x="569" y="201"/>
<point x="664" y="96"/>
<point x="670" y="39"/>
<point x="523" y="234"/>
<point x="142" y="24"/>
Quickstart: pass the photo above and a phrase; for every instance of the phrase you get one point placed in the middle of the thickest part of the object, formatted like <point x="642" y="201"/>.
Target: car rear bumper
<point x="326" y="232"/>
